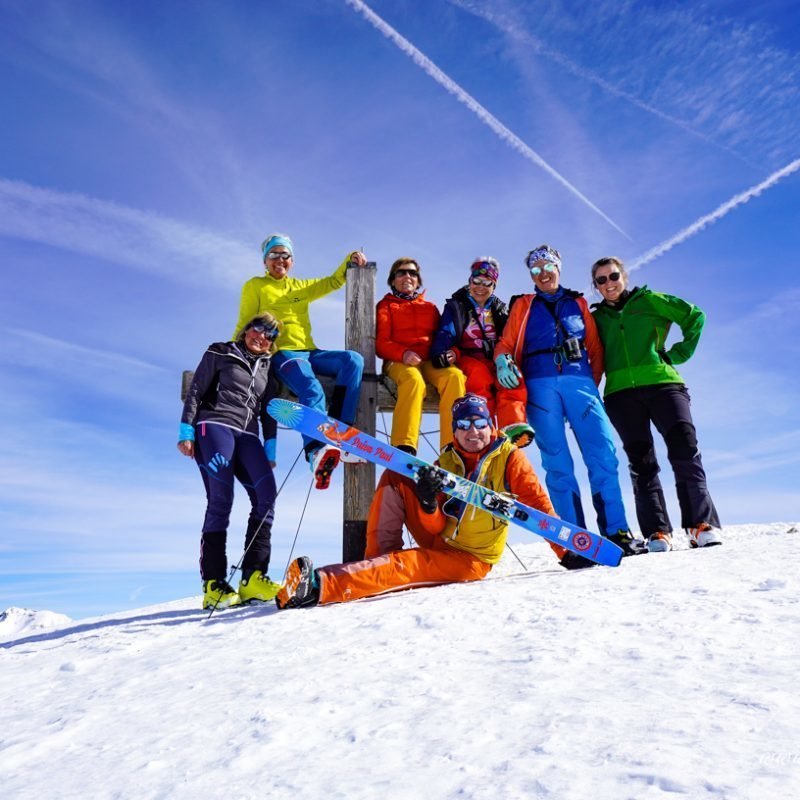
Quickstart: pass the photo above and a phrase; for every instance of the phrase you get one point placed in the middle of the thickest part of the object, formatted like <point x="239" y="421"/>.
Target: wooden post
<point x="359" y="479"/>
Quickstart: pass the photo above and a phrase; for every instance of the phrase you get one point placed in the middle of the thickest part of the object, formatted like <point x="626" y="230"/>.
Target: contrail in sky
<point x="421" y="60"/>
<point x="539" y="47"/>
<point x="716" y="214"/>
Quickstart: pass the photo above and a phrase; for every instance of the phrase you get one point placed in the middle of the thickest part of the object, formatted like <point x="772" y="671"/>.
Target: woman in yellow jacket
<point x="298" y="360"/>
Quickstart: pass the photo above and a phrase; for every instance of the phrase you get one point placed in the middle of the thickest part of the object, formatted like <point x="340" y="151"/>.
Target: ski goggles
<point x="612" y="276"/>
<point x="479" y="424"/>
<point x="276" y="256"/>
<point x="270" y="331"/>
<point x="536" y="271"/>
<point x="481" y="282"/>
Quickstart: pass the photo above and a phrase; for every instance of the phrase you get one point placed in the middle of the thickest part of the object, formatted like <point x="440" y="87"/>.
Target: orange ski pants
<point x="401" y="569"/>
<point x="507" y="404"/>
<point x="389" y="568"/>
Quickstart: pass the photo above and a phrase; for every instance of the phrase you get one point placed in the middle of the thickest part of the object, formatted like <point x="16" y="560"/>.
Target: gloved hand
<point x="508" y="373"/>
<point x="430" y="481"/>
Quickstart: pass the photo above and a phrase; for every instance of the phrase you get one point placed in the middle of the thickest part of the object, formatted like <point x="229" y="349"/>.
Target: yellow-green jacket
<point x="288" y="300"/>
<point x="470" y="528"/>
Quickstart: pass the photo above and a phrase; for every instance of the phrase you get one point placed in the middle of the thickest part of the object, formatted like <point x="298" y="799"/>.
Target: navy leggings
<point x="223" y="454"/>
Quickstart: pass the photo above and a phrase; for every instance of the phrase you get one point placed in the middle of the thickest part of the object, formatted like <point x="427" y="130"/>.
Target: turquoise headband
<point x="276" y="241"/>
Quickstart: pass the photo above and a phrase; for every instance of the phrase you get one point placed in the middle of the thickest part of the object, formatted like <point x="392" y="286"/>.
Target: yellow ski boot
<point x="258" y="588"/>
<point x="218" y="593"/>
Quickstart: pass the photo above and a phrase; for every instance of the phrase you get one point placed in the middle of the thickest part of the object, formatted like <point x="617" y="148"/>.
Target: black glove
<point x="430" y="481"/>
<point x="440" y="361"/>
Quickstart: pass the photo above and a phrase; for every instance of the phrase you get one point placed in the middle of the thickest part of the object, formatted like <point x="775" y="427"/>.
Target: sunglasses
<point x="465" y="424"/>
<point x="276" y="256"/>
<point x="481" y="282"/>
<point x="264" y="330"/>
<point x="403" y="272"/>
<point x="536" y="271"/>
<point x="612" y="276"/>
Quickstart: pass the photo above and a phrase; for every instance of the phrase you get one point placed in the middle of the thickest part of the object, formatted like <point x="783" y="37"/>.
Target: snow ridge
<point x="675" y="673"/>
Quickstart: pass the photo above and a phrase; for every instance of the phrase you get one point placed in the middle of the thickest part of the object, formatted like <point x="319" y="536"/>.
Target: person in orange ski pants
<point x="455" y="542"/>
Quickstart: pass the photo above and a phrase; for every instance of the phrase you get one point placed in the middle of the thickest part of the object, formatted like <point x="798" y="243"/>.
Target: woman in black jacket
<point x="472" y="321"/>
<point x="219" y="429"/>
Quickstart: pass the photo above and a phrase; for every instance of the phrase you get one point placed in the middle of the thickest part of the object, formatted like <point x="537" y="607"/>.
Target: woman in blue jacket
<point x="551" y="343"/>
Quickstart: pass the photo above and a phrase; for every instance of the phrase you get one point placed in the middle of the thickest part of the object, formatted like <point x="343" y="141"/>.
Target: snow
<point x="674" y="674"/>
<point x="15" y="621"/>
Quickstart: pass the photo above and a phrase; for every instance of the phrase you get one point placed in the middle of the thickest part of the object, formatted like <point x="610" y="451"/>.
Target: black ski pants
<point x="667" y="406"/>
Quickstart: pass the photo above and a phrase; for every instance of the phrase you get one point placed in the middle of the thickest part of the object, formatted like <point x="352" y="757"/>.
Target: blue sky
<point x="148" y="148"/>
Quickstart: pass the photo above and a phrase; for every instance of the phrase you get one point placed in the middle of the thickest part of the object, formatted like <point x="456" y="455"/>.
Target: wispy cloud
<point x="717" y="214"/>
<point x="123" y="235"/>
<point x="548" y="49"/>
<point x="96" y="358"/>
<point x="89" y="55"/>
<point x="773" y="453"/>
<point x="713" y="75"/>
<point x="422" y="61"/>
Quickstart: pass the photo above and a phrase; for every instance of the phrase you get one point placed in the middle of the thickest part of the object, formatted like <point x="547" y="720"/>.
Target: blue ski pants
<point x="223" y="454"/>
<point x="298" y="369"/>
<point x="575" y="398"/>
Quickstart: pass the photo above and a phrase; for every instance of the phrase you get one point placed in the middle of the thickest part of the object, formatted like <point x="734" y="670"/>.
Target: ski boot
<point x="572" y="560"/>
<point x="218" y="593"/>
<point x="632" y="544"/>
<point x="257" y="588"/>
<point x="323" y="462"/>
<point x="300" y="587"/>
<point x="659" y="542"/>
<point x="703" y="536"/>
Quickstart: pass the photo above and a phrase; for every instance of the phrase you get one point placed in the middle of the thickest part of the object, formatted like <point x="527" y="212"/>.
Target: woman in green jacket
<point x="643" y="387"/>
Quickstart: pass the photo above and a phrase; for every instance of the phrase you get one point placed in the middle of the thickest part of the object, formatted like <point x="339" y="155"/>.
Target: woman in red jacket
<point x="406" y="324"/>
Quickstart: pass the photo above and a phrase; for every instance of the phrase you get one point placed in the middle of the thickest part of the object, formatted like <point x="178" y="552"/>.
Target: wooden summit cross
<point x="377" y="394"/>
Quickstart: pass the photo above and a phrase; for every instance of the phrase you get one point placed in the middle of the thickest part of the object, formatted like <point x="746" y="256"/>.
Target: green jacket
<point x="288" y="299"/>
<point x="634" y="338"/>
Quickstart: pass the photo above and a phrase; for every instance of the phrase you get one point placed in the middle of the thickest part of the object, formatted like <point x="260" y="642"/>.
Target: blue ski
<point x="330" y="431"/>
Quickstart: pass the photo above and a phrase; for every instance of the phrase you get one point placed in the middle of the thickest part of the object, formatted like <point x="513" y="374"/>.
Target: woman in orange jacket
<point x="405" y="327"/>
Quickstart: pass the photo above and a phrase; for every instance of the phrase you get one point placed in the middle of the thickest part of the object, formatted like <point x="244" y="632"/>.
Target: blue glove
<point x="270" y="448"/>
<point x="508" y="373"/>
<point x="186" y="432"/>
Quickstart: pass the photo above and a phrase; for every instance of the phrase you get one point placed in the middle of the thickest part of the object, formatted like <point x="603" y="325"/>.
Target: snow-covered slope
<point x="14" y="622"/>
<point x="674" y="674"/>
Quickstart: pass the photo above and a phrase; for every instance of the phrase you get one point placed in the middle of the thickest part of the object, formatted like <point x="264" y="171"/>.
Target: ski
<point x="330" y="431"/>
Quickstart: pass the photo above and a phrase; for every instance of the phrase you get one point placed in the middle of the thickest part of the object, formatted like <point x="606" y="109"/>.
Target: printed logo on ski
<point x="581" y="541"/>
<point x="348" y="439"/>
